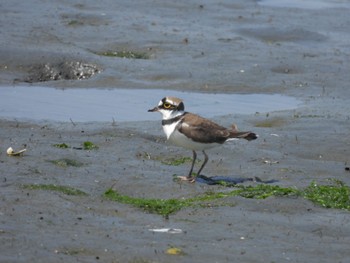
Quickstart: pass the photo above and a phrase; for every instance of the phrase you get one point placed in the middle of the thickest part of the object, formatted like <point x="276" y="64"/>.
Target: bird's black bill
<point x="153" y="110"/>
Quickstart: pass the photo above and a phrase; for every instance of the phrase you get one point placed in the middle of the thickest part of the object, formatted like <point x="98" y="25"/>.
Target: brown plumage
<point x="206" y="131"/>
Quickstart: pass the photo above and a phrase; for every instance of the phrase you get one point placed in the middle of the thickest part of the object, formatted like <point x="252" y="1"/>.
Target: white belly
<point x="181" y="140"/>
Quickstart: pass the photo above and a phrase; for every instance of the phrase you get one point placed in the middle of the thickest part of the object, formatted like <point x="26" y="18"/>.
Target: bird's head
<point x="169" y="107"/>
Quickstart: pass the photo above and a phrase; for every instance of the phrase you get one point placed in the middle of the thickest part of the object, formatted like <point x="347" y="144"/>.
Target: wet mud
<point x="53" y="206"/>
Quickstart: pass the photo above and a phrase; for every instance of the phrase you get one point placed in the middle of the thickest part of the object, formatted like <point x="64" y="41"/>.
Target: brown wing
<point x="203" y="130"/>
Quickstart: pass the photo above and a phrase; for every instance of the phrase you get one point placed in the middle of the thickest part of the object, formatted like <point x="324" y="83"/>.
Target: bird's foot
<point x="190" y="179"/>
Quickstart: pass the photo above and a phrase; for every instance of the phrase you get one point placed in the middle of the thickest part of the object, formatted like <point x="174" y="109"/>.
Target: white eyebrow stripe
<point x="168" y="101"/>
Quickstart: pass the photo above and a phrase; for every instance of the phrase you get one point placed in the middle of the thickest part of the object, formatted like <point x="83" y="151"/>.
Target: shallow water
<point x="84" y="105"/>
<point x="309" y="4"/>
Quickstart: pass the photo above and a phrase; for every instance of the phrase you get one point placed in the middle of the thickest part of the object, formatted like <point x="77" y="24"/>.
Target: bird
<point x="193" y="132"/>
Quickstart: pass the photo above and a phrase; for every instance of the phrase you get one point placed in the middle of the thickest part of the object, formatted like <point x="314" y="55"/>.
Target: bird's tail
<point x="242" y="135"/>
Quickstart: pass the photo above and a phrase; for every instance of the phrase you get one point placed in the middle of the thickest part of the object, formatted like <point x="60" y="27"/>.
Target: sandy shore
<point x="244" y="47"/>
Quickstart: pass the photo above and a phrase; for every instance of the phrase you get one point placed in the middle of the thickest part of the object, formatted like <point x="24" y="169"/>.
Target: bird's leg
<point x="190" y="178"/>
<point x="204" y="163"/>
<point x="193" y="161"/>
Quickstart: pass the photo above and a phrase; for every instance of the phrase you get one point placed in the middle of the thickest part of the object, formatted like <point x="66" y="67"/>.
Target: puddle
<point x="305" y="4"/>
<point x="85" y="105"/>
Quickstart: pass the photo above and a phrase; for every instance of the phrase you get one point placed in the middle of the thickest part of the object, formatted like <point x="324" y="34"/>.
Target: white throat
<point x="167" y="115"/>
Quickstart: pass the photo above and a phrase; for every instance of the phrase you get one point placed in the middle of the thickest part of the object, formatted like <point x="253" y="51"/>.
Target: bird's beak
<point x="154" y="109"/>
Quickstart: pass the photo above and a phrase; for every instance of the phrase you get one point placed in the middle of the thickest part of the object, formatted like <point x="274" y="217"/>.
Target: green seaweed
<point x="263" y="191"/>
<point x="173" y="161"/>
<point x="61" y="145"/>
<point x="89" y="146"/>
<point x="166" y="207"/>
<point x="124" y="54"/>
<point x="75" y="23"/>
<point x="57" y="188"/>
<point x="329" y="196"/>
<point x="176" y="161"/>
<point x="159" y="206"/>
<point x="270" y="123"/>
<point x="65" y="162"/>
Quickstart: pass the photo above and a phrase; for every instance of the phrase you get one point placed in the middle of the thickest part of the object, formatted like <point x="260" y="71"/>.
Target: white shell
<point x="167" y="230"/>
<point x="11" y="152"/>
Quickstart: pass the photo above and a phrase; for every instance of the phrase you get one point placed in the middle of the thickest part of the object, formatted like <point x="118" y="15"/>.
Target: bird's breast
<point x="179" y="139"/>
<point x="170" y="128"/>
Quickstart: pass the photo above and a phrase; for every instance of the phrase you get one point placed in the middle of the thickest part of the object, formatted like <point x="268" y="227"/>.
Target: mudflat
<point x="103" y="191"/>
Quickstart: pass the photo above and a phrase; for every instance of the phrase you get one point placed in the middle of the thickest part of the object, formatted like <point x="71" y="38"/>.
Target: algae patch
<point x="57" y="188"/>
<point x="173" y="161"/>
<point x="89" y="146"/>
<point x="124" y="54"/>
<point x="165" y="207"/>
<point x="61" y="145"/>
<point x="270" y="123"/>
<point x="65" y="162"/>
<point x="262" y="191"/>
<point x="329" y="196"/>
<point x="176" y="161"/>
<point x="158" y="206"/>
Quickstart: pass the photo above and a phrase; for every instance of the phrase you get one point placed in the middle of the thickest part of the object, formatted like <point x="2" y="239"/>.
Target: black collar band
<point x="171" y="121"/>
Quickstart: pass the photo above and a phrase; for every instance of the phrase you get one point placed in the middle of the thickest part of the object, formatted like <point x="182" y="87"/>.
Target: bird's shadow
<point x="230" y="181"/>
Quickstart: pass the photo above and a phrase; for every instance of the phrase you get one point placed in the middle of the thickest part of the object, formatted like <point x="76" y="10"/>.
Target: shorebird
<point x="194" y="132"/>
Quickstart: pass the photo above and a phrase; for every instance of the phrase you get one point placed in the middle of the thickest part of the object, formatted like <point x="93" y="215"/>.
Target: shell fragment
<point x="11" y="152"/>
<point x="167" y="230"/>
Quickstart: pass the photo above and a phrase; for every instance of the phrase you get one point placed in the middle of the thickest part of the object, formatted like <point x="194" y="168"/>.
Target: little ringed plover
<point x="194" y="132"/>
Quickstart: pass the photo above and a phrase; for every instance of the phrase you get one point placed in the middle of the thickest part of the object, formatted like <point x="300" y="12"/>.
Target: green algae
<point x="329" y="196"/>
<point x="270" y="123"/>
<point x="171" y="161"/>
<point x="65" y="162"/>
<point x="57" y="188"/>
<point x="89" y="146"/>
<point x="165" y="207"/>
<point x="61" y="145"/>
<point x="124" y="54"/>
<point x="336" y="195"/>
<point x="176" y="161"/>
<point x="263" y="191"/>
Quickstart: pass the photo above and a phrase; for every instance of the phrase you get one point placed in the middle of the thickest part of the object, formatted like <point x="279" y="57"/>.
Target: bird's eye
<point x="166" y="105"/>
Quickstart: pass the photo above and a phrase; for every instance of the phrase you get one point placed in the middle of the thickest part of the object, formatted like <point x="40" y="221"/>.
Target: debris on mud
<point x="11" y="152"/>
<point x="67" y="70"/>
